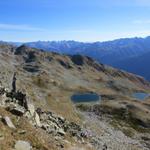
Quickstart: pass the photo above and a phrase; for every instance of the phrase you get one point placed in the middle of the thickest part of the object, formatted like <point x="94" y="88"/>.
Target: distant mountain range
<point x="131" y="54"/>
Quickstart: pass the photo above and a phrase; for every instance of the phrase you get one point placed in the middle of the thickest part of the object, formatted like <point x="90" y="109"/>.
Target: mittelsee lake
<point x="85" y="97"/>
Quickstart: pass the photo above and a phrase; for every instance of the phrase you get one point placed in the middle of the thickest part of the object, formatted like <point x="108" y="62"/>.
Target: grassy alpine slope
<point x="49" y="80"/>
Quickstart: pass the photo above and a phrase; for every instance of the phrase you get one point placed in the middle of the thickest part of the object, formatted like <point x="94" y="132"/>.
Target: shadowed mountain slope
<point x="111" y="52"/>
<point x="138" y="65"/>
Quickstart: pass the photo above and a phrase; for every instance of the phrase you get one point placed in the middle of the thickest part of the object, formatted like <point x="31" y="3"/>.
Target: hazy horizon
<point x="73" y="40"/>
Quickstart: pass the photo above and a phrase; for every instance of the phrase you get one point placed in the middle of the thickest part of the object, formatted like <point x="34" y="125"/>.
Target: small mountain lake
<point x="140" y="95"/>
<point x="85" y="97"/>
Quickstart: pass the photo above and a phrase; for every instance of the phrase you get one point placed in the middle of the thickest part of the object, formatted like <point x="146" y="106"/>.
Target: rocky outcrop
<point x="31" y="68"/>
<point x="50" y="122"/>
<point x="16" y="109"/>
<point x="32" y="115"/>
<point x="65" y="64"/>
<point x="77" y="60"/>
<point x="22" y="50"/>
<point x="59" y="126"/>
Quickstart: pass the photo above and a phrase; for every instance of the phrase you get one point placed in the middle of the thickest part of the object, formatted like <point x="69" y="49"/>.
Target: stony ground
<point x="110" y="138"/>
<point x="48" y="80"/>
<point x="24" y="128"/>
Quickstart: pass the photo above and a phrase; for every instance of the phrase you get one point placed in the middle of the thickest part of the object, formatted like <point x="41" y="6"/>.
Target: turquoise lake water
<point x="141" y="96"/>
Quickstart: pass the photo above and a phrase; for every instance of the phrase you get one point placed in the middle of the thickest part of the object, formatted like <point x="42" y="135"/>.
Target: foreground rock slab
<point x="37" y="120"/>
<point x="22" y="145"/>
<point x="9" y="122"/>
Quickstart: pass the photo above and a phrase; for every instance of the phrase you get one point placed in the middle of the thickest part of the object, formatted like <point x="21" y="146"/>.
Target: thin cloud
<point x="141" y="22"/>
<point x="19" y="27"/>
<point x="15" y="27"/>
<point x="72" y="31"/>
<point x="143" y="2"/>
<point x="130" y="34"/>
<point x="140" y="3"/>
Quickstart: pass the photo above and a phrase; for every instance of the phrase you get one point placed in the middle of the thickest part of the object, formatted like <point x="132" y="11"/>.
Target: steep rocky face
<point x="50" y="79"/>
<point x="78" y="60"/>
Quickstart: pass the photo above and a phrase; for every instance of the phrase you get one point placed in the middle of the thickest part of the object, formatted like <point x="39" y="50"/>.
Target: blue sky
<point x="81" y="20"/>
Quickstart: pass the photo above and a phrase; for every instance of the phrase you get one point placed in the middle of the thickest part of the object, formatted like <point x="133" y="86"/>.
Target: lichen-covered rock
<point x="37" y="120"/>
<point x="31" y="108"/>
<point x="8" y="121"/>
<point x="16" y="109"/>
<point x="22" y="145"/>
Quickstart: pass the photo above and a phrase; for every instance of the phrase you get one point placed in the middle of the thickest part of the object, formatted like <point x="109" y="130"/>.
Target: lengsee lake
<point x="141" y="96"/>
